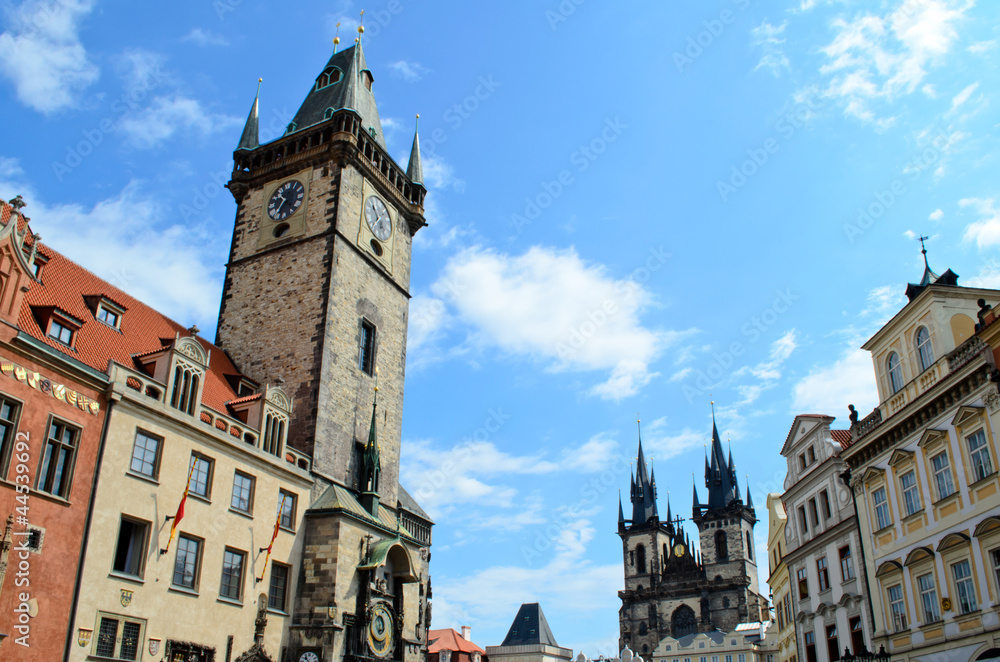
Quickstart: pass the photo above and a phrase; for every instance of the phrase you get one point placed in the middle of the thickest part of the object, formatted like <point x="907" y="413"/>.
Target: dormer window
<point x="105" y="310"/>
<point x="38" y="266"/>
<point x="895" y="372"/>
<point x="61" y="331"/>
<point x="331" y="76"/>
<point x="371" y="130"/>
<point x="328" y="113"/>
<point x="108" y="316"/>
<point x="189" y="361"/>
<point x="366" y="77"/>
<point x="292" y="126"/>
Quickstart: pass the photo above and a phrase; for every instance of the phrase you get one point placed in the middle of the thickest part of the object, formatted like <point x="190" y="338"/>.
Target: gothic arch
<point x="683" y="622"/>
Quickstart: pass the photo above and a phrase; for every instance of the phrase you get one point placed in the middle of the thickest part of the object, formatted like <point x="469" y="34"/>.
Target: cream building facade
<point x="924" y="476"/>
<point x="778" y="581"/>
<point x="824" y="550"/>
<point x="198" y="600"/>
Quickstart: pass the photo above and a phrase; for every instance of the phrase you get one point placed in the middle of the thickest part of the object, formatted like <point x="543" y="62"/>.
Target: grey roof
<point x="251" y="135"/>
<point x="407" y="502"/>
<point x="350" y="92"/>
<point x="414" y="170"/>
<point x="529" y="628"/>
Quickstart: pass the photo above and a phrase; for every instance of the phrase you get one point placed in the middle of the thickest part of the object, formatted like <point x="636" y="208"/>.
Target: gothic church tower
<point x="673" y="588"/>
<point x="316" y="295"/>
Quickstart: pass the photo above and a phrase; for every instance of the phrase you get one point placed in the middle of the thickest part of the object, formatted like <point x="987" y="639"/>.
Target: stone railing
<point x="966" y="352"/>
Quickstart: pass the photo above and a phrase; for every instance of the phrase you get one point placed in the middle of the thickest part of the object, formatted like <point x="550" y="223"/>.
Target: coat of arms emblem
<point x="154" y="647"/>
<point x="83" y="637"/>
<point x="126" y="597"/>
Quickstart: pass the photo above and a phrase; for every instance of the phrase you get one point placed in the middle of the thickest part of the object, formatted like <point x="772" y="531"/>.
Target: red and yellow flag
<point x="274" y="535"/>
<point x="180" y="510"/>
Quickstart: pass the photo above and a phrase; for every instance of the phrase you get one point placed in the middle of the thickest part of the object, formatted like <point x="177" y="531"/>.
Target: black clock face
<point x="286" y="200"/>
<point x="377" y="216"/>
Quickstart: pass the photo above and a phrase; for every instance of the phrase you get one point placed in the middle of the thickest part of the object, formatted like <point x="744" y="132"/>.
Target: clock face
<point x="286" y="200"/>
<point x="679" y="549"/>
<point x="377" y="216"/>
<point x="309" y="656"/>
<point x="380" y="630"/>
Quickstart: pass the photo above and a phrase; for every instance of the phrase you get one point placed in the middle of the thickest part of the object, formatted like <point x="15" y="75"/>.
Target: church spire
<point x="251" y="131"/>
<point x="720" y="476"/>
<point x="344" y="83"/>
<point x="929" y="276"/>
<point x="643" y="492"/>
<point x="414" y="170"/>
<point x="371" y="462"/>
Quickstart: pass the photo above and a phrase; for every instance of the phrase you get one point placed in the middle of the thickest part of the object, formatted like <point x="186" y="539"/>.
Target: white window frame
<point x="928" y="598"/>
<point x="980" y="459"/>
<point x="925" y="351"/>
<point x="942" y="474"/>
<point x="911" y="493"/>
<point x="880" y="500"/>
<point x="965" y="587"/>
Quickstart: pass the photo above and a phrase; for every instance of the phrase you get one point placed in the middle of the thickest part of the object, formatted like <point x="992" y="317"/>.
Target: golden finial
<point x="376" y="379"/>
<point x="336" y="38"/>
<point x="361" y="25"/>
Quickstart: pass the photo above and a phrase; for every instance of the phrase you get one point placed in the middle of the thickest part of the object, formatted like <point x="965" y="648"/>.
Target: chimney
<point x="466" y="633"/>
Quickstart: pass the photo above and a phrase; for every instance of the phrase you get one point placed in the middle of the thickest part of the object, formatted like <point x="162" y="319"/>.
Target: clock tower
<point x="316" y="298"/>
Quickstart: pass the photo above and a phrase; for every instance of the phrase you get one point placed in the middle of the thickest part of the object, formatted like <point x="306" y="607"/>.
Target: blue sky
<point x="633" y="210"/>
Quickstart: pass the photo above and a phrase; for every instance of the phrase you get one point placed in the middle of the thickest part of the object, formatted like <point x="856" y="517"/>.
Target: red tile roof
<point x="842" y="437"/>
<point x="450" y="640"/>
<point x="245" y="398"/>
<point x="142" y="329"/>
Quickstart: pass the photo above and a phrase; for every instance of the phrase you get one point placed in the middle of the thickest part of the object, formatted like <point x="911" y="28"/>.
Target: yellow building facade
<point x="924" y="476"/>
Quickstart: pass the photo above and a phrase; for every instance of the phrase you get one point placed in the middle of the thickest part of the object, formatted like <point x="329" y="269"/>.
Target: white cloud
<point x="411" y="72"/>
<point x="552" y="306"/>
<point x="661" y="443"/>
<point x="200" y="37"/>
<point x="985" y="231"/>
<point x="829" y="389"/>
<point x="41" y="53"/>
<point x="596" y="454"/>
<point x="438" y="174"/>
<point x="874" y="57"/>
<point x="988" y="276"/>
<point x="441" y="479"/>
<point x="770" y="39"/>
<point x="491" y="596"/>
<point x="126" y="240"/>
<point x="964" y="95"/>
<point x="982" y="46"/>
<point x="883" y="302"/>
<point x="936" y="215"/>
<point x="166" y="115"/>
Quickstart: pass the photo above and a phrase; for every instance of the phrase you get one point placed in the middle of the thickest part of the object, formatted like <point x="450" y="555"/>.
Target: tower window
<point x="366" y="355"/>
<point x="721" y="546"/>
<point x="329" y="77"/>
<point x="749" y="547"/>
<point x="640" y="559"/>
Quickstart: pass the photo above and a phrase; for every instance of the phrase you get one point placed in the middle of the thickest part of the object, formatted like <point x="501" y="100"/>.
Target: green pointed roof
<point x="349" y="69"/>
<point x="372" y="461"/>
<point x="415" y="170"/>
<point x="251" y="133"/>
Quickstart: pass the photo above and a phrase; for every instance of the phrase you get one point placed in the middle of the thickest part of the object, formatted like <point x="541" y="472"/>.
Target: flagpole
<point x="277" y="525"/>
<point x="180" y="511"/>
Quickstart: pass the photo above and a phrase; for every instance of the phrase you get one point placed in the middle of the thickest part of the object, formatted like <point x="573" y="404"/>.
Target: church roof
<point x="350" y="91"/>
<point x="251" y="131"/>
<point x="407" y="502"/>
<point x="529" y="628"/>
<point x="415" y="171"/>
<point x="643" y="493"/>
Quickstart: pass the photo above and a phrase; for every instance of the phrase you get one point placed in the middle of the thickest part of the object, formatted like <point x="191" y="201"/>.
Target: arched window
<point x="328" y="113"/>
<point x="683" y="622"/>
<point x="895" y="372"/>
<point x="329" y="77"/>
<point x="640" y="559"/>
<point x="924" y="349"/>
<point x="721" y="546"/>
<point x="749" y="547"/>
<point x="642" y="629"/>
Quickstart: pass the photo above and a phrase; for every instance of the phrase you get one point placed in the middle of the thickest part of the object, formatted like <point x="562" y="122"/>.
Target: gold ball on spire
<point x="336" y="40"/>
<point x="361" y="29"/>
<point x="418" y="115"/>
<point x="260" y="80"/>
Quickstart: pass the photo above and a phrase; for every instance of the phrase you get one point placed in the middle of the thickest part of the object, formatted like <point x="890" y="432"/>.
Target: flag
<point x="180" y="510"/>
<point x="274" y="535"/>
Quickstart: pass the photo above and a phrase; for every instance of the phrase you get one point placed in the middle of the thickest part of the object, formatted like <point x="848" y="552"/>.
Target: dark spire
<point x="621" y="513"/>
<point x="949" y="277"/>
<point x="695" y="501"/>
<point x="372" y="460"/>
<point x="345" y="82"/>
<point x="721" y="478"/>
<point x="414" y="170"/>
<point x="749" y="500"/>
<point x="251" y="132"/>
<point x="643" y="493"/>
